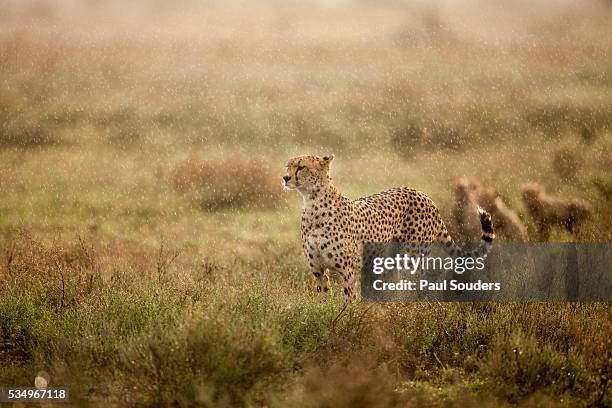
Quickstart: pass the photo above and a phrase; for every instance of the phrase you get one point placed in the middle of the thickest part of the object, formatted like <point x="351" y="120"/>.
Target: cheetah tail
<point x="488" y="236"/>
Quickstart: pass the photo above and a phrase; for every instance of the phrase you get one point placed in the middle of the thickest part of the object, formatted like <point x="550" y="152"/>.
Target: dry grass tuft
<point x="16" y="131"/>
<point x="369" y="386"/>
<point x="65" y="272"/>
<point x="236" y="181"/>
<point x="588" y="122"/>
<point x="432" y="135"/>
<point x="19" y="129"/>
<point x="24" y="135"/>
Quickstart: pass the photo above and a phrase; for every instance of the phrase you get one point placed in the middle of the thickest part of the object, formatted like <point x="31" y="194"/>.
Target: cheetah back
<point x="399" y="214"/>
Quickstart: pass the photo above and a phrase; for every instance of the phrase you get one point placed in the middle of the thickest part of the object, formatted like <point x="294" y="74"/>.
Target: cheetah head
<point x="488" y="199"/>
<point x="532" y="192"/>
<point x="306" y="173"/>
<point x="464" y="188"/>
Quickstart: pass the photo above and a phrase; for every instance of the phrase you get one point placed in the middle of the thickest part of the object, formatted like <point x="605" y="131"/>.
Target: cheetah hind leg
<point x="415" y="250"/>
<point x="349" y="291"/>
<point x="349" y="277"/>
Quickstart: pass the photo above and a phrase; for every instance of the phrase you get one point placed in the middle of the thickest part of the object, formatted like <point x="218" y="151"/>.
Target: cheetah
<point x="469" y="195"/>
<point x="334" y="227"/>
<point x="547" y="211"/>
<point x="464" y="214"/>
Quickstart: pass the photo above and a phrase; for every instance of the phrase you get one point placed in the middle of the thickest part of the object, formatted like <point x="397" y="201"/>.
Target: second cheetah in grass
<point x="547" y="211"/>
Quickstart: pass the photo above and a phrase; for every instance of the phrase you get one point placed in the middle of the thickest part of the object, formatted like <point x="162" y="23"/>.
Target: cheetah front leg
<point x="348" y="270"/>
<point x="544" y="231"/>
<point x="322" y="280"/>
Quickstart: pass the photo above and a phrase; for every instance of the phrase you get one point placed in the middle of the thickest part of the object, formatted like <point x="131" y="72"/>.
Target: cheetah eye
<point x="299" y="167"/>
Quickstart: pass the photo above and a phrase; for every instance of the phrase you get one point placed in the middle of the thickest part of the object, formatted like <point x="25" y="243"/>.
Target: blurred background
<point x="117" y="113"/>
<point x="142" y="146"/>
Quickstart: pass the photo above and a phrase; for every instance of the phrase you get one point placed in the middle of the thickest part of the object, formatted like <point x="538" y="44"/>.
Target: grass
<point x="152" y="328"/>
<point x="148" y="255"/>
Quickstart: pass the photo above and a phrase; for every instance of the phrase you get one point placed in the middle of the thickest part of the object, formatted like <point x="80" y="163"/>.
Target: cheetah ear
<point x="328" y="159"/>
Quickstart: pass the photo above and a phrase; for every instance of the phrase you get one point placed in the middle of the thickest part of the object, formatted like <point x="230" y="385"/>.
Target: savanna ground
<point x="149" y="255"/>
